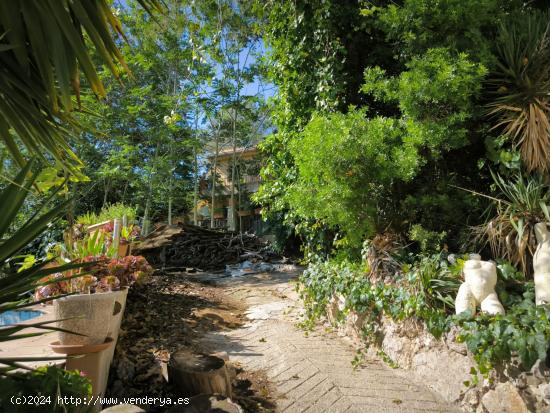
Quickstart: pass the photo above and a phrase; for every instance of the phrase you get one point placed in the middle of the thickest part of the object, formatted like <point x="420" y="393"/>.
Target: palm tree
<point x="520" y="87"/>
<point x="45" y="46"/>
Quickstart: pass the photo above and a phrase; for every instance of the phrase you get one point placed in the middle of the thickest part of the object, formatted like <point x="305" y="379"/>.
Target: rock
<point x="532" y="380"/>
<point x="505" y="398"/>
<point x="123" y="408"/>
<point x="540" y="370"/>
<point x="452" y="344"/>
<point x="471" y="398"/>
<point x="544" y="390"/>
<point x="521" y="381"/>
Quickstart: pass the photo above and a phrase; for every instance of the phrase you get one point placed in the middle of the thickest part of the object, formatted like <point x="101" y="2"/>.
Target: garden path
<point x="311" y="372"/>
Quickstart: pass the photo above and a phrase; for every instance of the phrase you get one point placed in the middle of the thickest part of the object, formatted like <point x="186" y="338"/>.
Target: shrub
<point x="107" y="213"/>
<point x="518" y="206"/>
<point x="107" y="274"/>
<point x="45" y="384"/>
<point x="344" y="163"/>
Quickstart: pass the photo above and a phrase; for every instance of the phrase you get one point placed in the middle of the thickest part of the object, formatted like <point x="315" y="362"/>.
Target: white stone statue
<point x="541" y="264"/>
<point x="478" y="288"/>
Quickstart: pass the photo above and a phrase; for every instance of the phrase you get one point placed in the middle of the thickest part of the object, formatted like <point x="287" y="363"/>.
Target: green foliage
<point x="462" y="25"/>
<point x="429" y="241"/>
<point x="18" y="277"/>
<point x="44" y="384"/>
<point x="92" y="245"/>
<point x="343" y="162"/>
<point x="347" y="163"/>
<point x="317" y="53"/>
<point x="524" y="330"/>
<point x="108" y="213"/>
<point x="426" y="291"/>
<point x="45" y="47"/>
<point x="435" y="95"/>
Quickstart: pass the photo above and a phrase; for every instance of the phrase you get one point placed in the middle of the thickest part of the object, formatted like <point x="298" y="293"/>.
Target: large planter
<point x="118" y="313"/>
<point x="90" y="315"/>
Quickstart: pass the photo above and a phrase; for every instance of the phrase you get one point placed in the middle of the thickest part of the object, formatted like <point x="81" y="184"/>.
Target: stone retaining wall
<point x="444" y="365"/>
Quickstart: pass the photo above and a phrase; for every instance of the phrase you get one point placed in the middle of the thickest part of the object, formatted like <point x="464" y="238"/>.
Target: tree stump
<point x="193" y="374"/>
<point x="206" y="403"/>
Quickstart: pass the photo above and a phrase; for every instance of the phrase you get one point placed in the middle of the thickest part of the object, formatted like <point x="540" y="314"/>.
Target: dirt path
<point x="308" y="372"/>
<point x="279" y="368"/>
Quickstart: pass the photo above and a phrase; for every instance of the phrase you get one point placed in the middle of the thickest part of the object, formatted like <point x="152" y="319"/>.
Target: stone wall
<point x="444" y="365"/>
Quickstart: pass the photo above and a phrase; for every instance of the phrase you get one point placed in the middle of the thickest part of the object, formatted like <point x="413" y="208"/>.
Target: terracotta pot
<point x="123" y="250"/>
<point x="93" y="360"/>
<point x="90" y="315"/>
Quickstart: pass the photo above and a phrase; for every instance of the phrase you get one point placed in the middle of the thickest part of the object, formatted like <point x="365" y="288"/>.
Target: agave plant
<point x="520" y="87"/>
<point x="510" y="231"/>
<point x="16" y="285"/>
<point x="44" y="45"/>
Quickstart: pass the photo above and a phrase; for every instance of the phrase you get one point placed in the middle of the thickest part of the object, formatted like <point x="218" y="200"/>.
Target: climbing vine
<point x="422" y="292"/>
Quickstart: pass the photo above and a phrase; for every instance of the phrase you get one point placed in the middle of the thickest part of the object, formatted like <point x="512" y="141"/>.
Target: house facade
<point x="247" y="182"/>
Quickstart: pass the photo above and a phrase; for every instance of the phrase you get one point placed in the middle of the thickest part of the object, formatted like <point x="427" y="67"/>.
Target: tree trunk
<point x="214" y="172"/>
<point x="106" y="192"/>
<point x="196" y="188"/>
<point x="146" y="226"/>
<point x="232" y="220"/>
<point x="240" y="203"/>
<point x="192" y="374"/>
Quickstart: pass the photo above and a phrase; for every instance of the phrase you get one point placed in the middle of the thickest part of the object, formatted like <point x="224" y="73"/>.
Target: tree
<point x="152" y="117"/>
<point x="414" y="69"/>
<point x="231" y="33"/>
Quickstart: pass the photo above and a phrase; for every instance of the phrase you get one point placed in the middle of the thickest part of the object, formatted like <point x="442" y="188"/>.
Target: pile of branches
<point x="189" y="246"/>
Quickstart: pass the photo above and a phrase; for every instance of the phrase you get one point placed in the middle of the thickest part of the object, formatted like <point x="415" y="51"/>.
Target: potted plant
<point x="94" y="311"/>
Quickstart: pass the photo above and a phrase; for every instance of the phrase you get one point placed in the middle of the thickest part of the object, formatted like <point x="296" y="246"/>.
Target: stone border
<point x="444" y="365"/>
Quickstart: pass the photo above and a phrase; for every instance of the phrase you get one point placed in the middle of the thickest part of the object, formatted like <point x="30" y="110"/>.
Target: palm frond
<point x="43" y="54"/>
<point x="520" y="87"/>
<point x="521" y="204"/>
<point x="16" y="286"/>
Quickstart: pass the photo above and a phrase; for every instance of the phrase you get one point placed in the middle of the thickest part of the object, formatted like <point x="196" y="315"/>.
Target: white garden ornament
<point x="478" y="288"/>
<point x="541" y="264"/>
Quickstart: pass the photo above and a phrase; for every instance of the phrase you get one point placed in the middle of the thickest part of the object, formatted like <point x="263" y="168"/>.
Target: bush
<point x="107" y="213"/>
<point x="344" y="163"/>
<point x="45" y="384"/>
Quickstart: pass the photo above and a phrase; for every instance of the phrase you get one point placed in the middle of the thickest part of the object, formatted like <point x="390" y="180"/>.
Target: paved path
<point x="311" y="372"/>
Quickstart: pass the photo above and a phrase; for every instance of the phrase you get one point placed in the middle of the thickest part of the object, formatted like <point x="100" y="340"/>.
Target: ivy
<point x="524" y="331"/>
<point x="425" y="292"/>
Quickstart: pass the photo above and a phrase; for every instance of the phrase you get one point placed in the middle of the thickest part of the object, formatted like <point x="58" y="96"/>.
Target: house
<point x="247" y="182"/>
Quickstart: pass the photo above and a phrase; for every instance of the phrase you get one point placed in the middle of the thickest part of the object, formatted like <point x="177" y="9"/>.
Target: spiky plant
<point x="509" y="231"/>
<point x="45" y="46"/>
<point x="15" y="284"/>
<point x="520" y="87"/>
